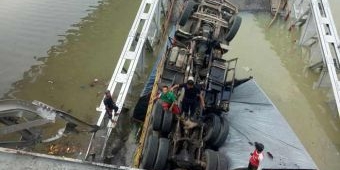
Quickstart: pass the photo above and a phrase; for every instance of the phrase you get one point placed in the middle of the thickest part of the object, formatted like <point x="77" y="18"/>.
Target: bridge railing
<point x="145" y="29"/>
<point x="320" y="35"/>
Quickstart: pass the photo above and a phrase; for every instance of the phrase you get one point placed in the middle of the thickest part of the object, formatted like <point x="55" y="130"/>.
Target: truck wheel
<point x="235" y="26"/>
<point x="222" y="162"/>
<point x="157" y="113"/>
<point x="162" y="154"/>
<point x="211" y="159"/>
<point x="213" y="124"/>
<point x="222" y="136"/>
<point x="187" y="12"/>
<point x="167" y="122"/>
<point x="150" y="152"/>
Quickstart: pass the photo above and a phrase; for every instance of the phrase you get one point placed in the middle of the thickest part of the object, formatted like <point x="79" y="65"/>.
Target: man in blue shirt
<point x="191" y="97"/>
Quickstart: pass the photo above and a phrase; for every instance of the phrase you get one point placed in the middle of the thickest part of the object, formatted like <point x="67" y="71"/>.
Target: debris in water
<point x="94" y="82"/>
<point x="50" y="81"/>
<point x="247" y="69"/>
<point x="270" y="155"/>
<point x="57" y="136"/>
<point x="60" y="149"/>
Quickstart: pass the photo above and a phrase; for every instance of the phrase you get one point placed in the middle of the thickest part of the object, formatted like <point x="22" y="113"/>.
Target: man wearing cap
<point x="256" y="157"/>
<point x="110" y="105"/>
<point x="191" y="96"/>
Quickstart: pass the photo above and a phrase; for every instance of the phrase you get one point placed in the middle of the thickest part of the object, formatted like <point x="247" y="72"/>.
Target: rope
<point x="275" y="16"/>
<point x="144" y="134"/>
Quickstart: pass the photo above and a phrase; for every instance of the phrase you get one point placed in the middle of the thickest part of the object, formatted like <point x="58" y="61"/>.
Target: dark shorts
<point x="252" y="167"/>
<point x="109" y="115"/>
<point x="115" y="108"/>
<point x="189" y="105"/>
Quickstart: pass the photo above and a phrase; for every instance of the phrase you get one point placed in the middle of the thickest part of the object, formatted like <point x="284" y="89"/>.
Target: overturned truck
<point x="221" y="133"/>
<point x="197" y="50"/>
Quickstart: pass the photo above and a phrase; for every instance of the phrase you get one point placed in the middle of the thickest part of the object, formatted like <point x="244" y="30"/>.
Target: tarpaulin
<point x="254" y="118"/>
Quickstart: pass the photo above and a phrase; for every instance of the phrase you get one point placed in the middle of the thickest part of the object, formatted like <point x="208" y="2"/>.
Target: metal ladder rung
<point x="324" y="20"/>
<point x="121" y="78"/>
<point x="150" y="1"/>
<point x="329" y="38"/>
<point x="143" y="35"/>
<point x="130" y="55"/>
<point x="145" y="16"/>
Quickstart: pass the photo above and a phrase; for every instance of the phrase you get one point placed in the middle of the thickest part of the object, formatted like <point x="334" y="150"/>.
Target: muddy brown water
<point x="60" y="65"/>
<point x="52" y="50"/>
<point x="278" y="65"/>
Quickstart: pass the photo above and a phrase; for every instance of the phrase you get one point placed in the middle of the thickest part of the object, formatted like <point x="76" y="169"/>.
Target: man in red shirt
<point x="256" y="157"/>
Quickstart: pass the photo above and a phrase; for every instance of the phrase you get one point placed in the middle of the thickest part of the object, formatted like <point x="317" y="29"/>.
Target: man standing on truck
<point x="110" y="105"/>
<point x="256" y="157"/>
<point x="191" y="96"/>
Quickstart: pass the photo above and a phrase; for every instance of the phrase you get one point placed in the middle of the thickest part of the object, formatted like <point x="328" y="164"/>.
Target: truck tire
<point x="235" y="26"/>
<point x="211" y="159"/>
<point x="213" y="129"/>
<point x="222" y="162"/>
<point x="167" y="122"/>
<point x="222" y="136"/>
<point x="162" y="154"/>
<point x="150" y="152"/>
<point x="157" y="113"/>
<point x="187" y="12"/>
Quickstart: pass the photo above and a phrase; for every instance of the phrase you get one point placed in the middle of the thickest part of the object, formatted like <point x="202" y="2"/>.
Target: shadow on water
<point x="279" y="65"/>
<point x="89" y="50"/>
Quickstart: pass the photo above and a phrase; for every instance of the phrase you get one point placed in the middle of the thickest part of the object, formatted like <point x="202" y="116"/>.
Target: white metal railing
<point x="329" y="42"/>
<point x="130" y="56"/>
<point x="132" y="50"/>
<point x="144" y="16"/>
